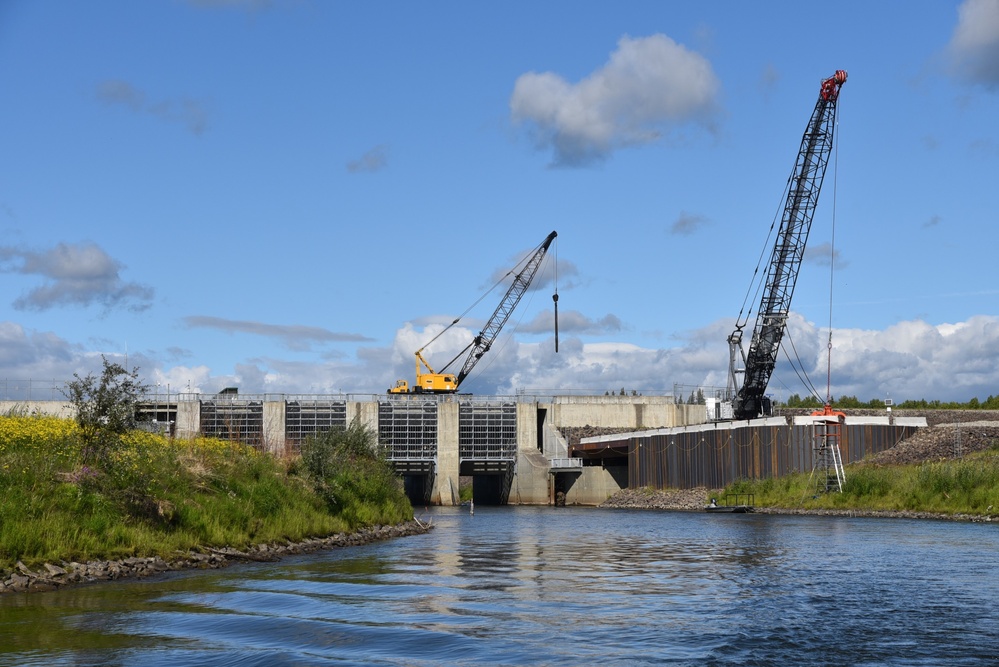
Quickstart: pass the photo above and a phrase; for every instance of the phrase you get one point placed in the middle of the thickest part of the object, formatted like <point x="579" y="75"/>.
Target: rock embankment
<point x="654" y="499"/>
<point x="943" y="441"/>
<point x="50" y="577"/>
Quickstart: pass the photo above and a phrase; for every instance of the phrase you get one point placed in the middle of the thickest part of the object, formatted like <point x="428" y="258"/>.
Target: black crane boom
<point x="799" y="208"/>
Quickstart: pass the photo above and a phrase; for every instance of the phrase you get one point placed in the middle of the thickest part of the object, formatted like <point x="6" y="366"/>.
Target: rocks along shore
<point x="51" y="577"/>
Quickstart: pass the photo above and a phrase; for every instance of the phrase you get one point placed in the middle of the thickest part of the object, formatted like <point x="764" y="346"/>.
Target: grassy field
<point x="154" y="496"/>
<point x="967" y="485"/>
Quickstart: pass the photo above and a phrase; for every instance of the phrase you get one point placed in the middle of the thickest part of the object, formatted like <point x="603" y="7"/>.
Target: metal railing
<point x="32" y="390"/>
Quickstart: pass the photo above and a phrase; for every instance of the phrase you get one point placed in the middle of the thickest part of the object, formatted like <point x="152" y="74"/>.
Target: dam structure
<point x="512" y="449"/>
<point x="525" y="449"/>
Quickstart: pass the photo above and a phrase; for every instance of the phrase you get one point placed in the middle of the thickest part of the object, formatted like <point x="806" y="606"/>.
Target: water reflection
<point x="545" y="586"/>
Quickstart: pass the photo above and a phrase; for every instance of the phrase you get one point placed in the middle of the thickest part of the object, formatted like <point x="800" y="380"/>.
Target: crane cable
<point x="757" y="281"/>
<point x="832" y="261"/>
<point x="502" y="340"/>
<point x="555" y="295"/>
<point x="796" y="362"/>
<point x="477" y="302"/>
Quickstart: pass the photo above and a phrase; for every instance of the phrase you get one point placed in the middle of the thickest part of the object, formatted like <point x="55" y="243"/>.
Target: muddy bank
<point x="51" y="577"/>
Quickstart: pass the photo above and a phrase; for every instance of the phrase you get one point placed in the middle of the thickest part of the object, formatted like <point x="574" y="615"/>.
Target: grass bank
<point x="154" y="496"/>
<point x="965" y="486"/>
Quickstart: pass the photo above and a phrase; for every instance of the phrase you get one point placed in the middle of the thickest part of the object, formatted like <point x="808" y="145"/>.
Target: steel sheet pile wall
<point x="716" y="457"/>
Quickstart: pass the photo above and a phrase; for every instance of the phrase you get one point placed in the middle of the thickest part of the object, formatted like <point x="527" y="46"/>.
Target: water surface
<point x="547" y="586"/>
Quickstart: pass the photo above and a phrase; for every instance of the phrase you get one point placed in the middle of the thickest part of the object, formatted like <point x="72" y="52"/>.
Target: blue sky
<point x="293" y="197"/>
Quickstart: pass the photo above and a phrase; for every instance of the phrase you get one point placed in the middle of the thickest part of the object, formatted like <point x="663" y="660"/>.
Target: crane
<point x="799" y="207"/>
<point x="435" y="382"/>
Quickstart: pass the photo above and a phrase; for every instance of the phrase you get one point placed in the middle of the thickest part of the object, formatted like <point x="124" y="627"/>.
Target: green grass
<point x="156" y="497"/>
<point x="969" y="485"/>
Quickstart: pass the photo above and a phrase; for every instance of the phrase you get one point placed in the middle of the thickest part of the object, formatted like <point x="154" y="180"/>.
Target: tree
<point x="105" y="407"/>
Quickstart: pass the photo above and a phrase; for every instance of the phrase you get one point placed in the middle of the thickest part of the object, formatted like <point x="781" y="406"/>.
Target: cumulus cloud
<point x="188" y="112"/>
<point x="375" y="159"/>
<point x="294" y="337"/>
<point x="915" y="359"/>
<point x="651" y="86"/>
<point x="909" y="360"/>
<point x="974" y="46"/>
<point x="76" y="275"/>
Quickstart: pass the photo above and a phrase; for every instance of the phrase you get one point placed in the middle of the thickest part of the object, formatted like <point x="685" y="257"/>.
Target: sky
<point x="294" y="196"/>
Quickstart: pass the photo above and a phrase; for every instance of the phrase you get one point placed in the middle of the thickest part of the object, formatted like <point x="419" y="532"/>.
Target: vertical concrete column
<point x="445" y="490"/>
<point x="188" y="419"/>
<point x="364" y="412"/>
<point x="274" y="431"/>
<point x="527" y="427"/>
<point x="531" y="483"/>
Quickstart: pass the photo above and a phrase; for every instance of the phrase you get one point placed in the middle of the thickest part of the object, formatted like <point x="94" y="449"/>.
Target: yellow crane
<point x="433" y="382"/>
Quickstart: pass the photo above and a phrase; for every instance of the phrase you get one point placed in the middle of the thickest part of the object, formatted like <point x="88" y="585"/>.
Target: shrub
<point x="105" y="408"/>
<point x="355" y="482"/>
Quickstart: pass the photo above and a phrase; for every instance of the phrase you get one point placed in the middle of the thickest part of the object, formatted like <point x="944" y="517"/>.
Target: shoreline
<point x="54" y="577"/>
<point x="694" y="500"/>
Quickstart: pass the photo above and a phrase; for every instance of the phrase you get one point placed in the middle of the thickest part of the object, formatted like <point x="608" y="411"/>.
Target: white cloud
<point x="974" y="46"/>
<point x="909" y="360"/>
<point x="650" y="85"/>
<point x="75" y="275"/>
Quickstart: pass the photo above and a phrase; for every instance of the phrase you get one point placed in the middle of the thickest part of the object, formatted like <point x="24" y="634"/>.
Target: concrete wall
<point x="54" y="408"/>
<point x="637" y="412"/>
<point x="595" y="484"/>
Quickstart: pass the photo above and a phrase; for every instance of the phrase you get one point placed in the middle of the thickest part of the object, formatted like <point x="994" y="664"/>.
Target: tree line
<point x="852" y="402"/>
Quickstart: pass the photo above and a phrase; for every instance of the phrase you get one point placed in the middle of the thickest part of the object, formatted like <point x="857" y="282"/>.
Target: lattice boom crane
<point x="435" y="382"/>
<point x="799" y="208"/>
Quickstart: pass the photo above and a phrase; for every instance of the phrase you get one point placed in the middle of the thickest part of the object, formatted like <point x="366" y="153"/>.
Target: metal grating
<point x="238" y="420"/>
<point x="487" y="431"/>
<point x="407" y="430"/>
<point x="305" y="418"/>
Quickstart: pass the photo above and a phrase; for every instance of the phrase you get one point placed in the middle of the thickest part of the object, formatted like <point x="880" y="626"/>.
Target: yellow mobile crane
<point x="433" y="382"/>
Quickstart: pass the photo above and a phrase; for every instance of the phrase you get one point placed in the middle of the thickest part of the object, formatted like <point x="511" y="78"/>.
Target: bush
<point x="357" y="484"/>
<point x="105" y="408"/>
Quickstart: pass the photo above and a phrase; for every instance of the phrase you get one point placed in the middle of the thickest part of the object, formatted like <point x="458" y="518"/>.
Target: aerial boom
<point x="785" y="261"/>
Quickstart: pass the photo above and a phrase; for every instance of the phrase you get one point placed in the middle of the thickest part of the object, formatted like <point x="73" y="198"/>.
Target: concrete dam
<point x="524" y="449"/>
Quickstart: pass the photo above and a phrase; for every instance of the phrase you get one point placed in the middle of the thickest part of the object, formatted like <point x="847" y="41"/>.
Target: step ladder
<point x="828" y="466"/>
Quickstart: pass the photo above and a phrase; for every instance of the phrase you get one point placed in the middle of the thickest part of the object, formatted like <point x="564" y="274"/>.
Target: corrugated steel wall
<point x="716" y="458"/>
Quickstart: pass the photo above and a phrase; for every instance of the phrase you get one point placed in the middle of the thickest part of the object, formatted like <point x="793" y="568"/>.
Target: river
<point x="547" y="586"/>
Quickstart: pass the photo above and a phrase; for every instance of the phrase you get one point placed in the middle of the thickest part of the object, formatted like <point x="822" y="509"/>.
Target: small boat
<point x="739" y="503"/>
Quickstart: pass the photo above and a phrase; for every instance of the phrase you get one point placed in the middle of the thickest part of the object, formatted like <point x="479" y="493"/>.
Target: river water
<point x="547" y="586"/>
